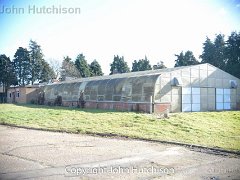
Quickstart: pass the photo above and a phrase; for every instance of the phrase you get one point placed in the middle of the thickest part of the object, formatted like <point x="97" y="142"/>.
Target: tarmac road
<point x="34" y="154"/>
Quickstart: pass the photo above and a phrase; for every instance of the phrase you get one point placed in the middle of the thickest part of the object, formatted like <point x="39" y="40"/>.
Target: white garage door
<point x="190" y="99"/>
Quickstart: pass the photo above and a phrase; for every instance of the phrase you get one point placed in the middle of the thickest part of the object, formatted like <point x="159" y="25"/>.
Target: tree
<point x="135" y="66"/>
<point x="69" y="69"/>
<point x="36" y="61"/>
<point x="232" y="54"/>
<point x="185" y="59"/>
<point x="95" y="69"/>
<point x="214" y="52"/>
<point x="47" y="72"/>
<point x="56" y="66"/>
<point x="207" y="55"/>
<point x="159" y="65"/>
<point x="180" y="60"/>
<point x="118" y="65"/>
<point x="82" y="66"/>
<point x="40" y="69"/>
<point x="220" y="55"/>
<point x="22" y="66"/>
<point x="7" y="75"/>
<point x="141" y="65"/>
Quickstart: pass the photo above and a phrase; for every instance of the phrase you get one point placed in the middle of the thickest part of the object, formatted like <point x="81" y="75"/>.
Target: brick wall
<point x="31" y="94"/>
<point x="26" y="95"/>
<point x="120" y="106"/>
<point x="162" y="107"/>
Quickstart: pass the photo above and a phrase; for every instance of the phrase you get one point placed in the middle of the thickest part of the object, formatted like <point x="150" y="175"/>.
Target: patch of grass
<point x="213" y="129"/>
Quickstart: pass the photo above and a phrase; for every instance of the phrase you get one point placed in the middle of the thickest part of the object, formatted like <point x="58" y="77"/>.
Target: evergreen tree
<point x="141" y="65"/>
<point x="82" y="66"/>
<point x="47" y="72"/>
<point x="185" y="59"/>
<point x="22" y="66"/>
<point x="69" y="69"/>
<point x="190" y="59"/>
<point x="180" y="60"/>
<point x="220" y="55"/>
<point x="214" y="52"/>
<point x="232" y="54"/>
<point x="118" y="65"/>
<point x="7" y="75"/>
<point x="135" y="66"/>
<point x="95" y="69"/>
<point x="208" y="52"/>
<point x="40" y="69"/>
<point x="36" y="61"/>
<point x="159" y="65"/>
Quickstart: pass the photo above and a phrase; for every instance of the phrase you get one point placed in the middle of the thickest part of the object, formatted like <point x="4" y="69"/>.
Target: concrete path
<point x="32" y="154"/>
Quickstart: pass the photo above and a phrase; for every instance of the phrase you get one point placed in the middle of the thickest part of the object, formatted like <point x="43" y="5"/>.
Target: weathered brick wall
<point x="31" y="94"/>
<point x="121" y="106"/>
<point x="102" y="105"/>
<point x="68" y="103"/>
<point x="92" y="105"/>
<point x="162" y="107"/>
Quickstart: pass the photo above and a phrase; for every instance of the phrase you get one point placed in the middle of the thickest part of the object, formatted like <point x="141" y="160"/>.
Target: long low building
<point x="200" y="87"/>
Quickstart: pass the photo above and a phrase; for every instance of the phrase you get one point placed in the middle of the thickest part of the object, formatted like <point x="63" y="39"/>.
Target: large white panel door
<point x="219" y="99"/>
<point x="190" y="99"/>
<point x="226" y="99"/>
<point x="186" y="99"/>
<point x="196" y="99"/>
<point x="223" y="99"/>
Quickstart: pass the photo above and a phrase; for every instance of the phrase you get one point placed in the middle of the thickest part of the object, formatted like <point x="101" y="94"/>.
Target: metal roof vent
<point x="177" y="81"/>
<point x="233" y="84"/>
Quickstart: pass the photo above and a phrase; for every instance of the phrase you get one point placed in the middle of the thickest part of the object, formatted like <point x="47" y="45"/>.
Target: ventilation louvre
<point x="233" y="84"/>
<point x="176" y="81"/>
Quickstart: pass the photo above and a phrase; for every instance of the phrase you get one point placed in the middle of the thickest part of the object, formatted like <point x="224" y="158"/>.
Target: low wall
<point x="122" y="106"/>
<point x="162" y="107"/>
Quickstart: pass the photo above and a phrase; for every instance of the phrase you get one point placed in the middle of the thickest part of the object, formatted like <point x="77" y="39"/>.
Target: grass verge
<point x="212" y="129"/>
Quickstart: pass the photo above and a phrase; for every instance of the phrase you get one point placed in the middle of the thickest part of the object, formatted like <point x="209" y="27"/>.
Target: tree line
<point x="80" y="68"/>
<point x="29" y="66"/>
<point x="221" y="53"/>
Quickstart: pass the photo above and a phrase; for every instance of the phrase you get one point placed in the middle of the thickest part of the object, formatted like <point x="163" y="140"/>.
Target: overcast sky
<point x="104" y="28"/>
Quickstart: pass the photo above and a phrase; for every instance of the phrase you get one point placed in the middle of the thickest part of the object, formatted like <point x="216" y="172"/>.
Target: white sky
<point x="129" y="28"/>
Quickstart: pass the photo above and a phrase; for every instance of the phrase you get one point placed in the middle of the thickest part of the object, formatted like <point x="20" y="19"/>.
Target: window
<point x="10" y="95"/>
<point x="18" y="94"/>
